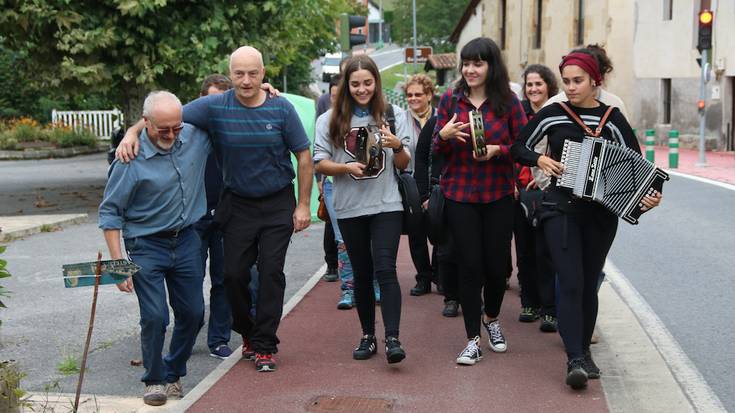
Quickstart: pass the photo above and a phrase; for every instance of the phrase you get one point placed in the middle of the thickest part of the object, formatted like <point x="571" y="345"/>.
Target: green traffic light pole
<point x="702" y="95"/>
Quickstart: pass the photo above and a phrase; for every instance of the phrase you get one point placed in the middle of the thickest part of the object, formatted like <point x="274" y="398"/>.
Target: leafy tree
<point x="122" y="49"/>
<point x="435" y="21"/>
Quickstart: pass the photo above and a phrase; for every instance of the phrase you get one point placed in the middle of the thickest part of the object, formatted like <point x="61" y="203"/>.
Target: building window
<point x="502" y="23"/>
<point x="666" y="100"/>
<point x="580" y="22"/>
<point x="668" y="9"/>
<point x="539" y="15"/>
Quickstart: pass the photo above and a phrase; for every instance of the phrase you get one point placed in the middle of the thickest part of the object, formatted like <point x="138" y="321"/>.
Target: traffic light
<point x="704" y="38"/>
<point x="346" y="38"/>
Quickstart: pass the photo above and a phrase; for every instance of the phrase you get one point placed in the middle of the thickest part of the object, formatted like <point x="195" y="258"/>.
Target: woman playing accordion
<point x="578" y="233"/>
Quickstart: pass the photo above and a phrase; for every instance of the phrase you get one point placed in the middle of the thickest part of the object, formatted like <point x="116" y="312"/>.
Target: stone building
<point x="652" y="44"/>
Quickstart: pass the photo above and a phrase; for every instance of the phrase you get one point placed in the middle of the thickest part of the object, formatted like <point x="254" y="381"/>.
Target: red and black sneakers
<point x="247" y="350"/>
<point x="265" y="362"/>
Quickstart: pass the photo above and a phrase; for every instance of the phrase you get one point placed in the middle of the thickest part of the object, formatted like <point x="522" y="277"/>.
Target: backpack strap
<point x="390" y="118"/>
<point x="581" y="123"/>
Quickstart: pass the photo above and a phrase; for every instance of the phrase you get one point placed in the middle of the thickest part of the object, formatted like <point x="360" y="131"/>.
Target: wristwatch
<point x="398" y="149"/>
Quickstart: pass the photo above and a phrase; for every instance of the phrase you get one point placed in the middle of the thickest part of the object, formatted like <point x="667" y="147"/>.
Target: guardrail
<point x="101" y="122"/>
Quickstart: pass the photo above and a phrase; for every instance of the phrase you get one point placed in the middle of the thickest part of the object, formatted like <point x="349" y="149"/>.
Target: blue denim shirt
<point x="158" y="190"/>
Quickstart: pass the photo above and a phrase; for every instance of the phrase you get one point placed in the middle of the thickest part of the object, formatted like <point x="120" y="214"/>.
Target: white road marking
<point x="690" y="380"/>
<point x="701" y="179"/>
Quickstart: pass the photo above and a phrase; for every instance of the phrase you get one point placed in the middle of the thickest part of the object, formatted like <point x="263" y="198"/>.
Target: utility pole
<point x="380" y="25"/>
<point x="415" y="48"/>
<point x="702" y="96"/>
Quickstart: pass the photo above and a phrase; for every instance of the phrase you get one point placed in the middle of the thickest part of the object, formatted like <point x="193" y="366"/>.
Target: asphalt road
<point x="680" y="259"/>
<point x="53" y="186"/>
<point x="384" y="57"/>
<point x="46" y="323"/>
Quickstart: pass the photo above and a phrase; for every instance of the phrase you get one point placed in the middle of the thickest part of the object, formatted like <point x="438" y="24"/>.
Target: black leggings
<point x="578" y="244"/>
<point x="372" y="245"/>
<point x="525" y="243"/>
<point x="482" y="234"/>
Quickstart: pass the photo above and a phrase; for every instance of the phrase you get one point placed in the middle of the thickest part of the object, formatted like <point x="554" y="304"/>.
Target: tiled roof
<point x="441" y="61"/>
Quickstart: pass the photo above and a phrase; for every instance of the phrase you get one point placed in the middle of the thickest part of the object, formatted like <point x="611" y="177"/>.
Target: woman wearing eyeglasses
<point x="419" y="90"/>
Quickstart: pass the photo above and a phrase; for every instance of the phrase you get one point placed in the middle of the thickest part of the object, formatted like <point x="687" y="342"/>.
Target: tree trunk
<point x="133" y="95"/>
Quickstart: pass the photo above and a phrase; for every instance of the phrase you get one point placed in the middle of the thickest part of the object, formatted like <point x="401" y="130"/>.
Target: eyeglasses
<point x="418" y="95"/>
<point x="174" y="129"/>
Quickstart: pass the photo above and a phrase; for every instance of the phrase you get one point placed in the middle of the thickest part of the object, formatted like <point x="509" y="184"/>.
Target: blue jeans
<point x="220" y="317"/>
<point x="344" y="267"/>
<point x="176" y="264"/>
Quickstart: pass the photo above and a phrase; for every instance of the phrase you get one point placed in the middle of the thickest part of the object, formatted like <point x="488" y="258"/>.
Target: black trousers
<point x="418" y="243"/>
<point x="545" y="274"/>
<point x="447" y="269"/>
<point x="525" y="243"/>
<point x="482" y="234"/>
<point x="372" y="245"/>
<point x="330" y="247"/>
<point x="578" y="244"/>
<point x="257" y="228"/>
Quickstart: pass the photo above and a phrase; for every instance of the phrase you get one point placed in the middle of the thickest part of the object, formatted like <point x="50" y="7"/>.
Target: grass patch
<point x="48" y="228"/>
<point x="391" y="77"/>
<point x="68" y="366"/>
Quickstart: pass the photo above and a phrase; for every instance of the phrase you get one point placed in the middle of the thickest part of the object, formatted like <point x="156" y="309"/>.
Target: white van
<point x="330" y="65"/>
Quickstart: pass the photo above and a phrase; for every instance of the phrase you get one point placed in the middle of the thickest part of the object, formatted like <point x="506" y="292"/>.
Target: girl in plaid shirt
<point x="479" y="189"/>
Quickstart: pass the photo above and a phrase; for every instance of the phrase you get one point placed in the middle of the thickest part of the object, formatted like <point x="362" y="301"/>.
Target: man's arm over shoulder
<point x="196" y="112"/>
<point x="294" y="132"/>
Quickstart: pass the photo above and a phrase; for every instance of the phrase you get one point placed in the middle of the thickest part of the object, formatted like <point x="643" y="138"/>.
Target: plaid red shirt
<point x="464" y="179"/>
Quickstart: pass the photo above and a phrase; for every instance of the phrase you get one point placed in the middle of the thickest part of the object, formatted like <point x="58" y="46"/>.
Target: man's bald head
<point x="247" y="73"/>
<point x="246" y="54"/>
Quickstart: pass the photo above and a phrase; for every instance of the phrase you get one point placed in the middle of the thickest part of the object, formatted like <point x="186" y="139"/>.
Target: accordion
<point x="613" y="175"/>
<point x="477" y="129"/>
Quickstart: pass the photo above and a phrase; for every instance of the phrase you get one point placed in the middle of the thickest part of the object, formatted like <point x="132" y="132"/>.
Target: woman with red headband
<point x="578" y="233"/>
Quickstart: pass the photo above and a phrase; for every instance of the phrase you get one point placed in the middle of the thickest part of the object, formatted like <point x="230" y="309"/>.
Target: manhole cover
<point x="340" y="404"/>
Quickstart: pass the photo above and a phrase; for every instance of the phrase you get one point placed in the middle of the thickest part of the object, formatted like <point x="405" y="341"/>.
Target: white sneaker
<point x="471" y="354"/>
<point x="496" y="339"/>
<point x="155" y="395"/>
<point x="174" y="390"/>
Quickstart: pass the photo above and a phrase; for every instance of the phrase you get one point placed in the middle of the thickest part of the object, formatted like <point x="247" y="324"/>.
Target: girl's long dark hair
<point x="497" y="84"/>
<point x="546" y="75"/>
<point x="344" y="105"/>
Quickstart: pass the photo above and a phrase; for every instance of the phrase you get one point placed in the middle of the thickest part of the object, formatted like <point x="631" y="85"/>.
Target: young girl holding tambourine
<point x="367" y="200"/>
<point x="578" y="233"/>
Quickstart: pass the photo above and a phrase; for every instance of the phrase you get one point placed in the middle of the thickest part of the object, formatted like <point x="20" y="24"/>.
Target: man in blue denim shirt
<point x="154" y="200"/>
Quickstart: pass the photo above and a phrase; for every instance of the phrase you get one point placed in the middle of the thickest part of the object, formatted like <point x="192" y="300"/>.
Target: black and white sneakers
<point x="576" y="374"/>
<point x="496" y="339"/>
<point x="367" y="347"/>
<point x="471" y="354"/>
<point x="393" y="350"/>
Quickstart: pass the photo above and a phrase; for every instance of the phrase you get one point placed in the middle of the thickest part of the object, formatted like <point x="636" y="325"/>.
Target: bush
<point x="17" y="132"/>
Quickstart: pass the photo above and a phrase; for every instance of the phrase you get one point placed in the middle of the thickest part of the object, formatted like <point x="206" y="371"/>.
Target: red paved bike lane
<point x="315" y="360"/>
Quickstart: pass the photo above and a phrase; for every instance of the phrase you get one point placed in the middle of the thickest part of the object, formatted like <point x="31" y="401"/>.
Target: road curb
<point x="644" y="369"/>
<point x="52" y="153"/>
<point x="211" y="379"/>
<point x="24" y="225"/>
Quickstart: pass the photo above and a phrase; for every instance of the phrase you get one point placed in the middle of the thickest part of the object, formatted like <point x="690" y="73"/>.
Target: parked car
<point x="330" y="66"/>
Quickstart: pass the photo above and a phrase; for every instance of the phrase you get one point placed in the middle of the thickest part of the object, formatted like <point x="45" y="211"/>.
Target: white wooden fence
<point x="101" y="122"/>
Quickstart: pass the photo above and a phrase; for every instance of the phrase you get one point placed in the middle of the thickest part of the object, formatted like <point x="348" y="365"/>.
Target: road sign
<point x="422" y="52"/>
<point x="112" y="272"/>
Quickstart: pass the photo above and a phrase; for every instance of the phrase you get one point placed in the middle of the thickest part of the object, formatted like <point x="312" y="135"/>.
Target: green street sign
<point x="83" y="274"/>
